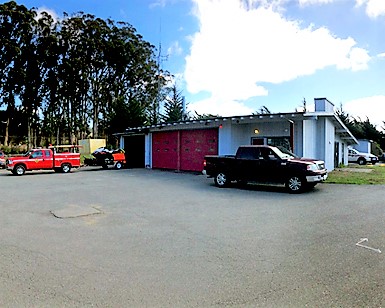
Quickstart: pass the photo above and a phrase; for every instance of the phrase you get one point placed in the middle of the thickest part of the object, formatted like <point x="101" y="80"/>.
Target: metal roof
<point x="341" y="129"/>
<point x="245" y="119"/>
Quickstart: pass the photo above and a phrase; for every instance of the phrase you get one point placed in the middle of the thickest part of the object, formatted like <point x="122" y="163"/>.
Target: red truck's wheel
<point x="19" y="170"/>
<point x="66" y="168"/>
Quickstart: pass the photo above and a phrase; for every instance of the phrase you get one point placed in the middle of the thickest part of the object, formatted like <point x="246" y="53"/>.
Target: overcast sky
<point x="231" y="57"/>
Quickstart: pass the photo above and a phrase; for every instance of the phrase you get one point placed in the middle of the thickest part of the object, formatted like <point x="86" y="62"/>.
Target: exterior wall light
<point x="256" y="131"/>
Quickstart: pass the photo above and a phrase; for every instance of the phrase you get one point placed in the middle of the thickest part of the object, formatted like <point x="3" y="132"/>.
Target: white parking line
<point x="367" y="247"/>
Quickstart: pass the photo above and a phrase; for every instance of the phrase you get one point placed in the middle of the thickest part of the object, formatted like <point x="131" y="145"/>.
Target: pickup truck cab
<point x="265" y="164"/>
<point x="355" y="156"/>
<point x="43" y="159"/>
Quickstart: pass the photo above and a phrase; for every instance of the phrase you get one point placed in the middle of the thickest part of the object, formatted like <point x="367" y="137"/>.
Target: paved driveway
<point x="163" y="239"/>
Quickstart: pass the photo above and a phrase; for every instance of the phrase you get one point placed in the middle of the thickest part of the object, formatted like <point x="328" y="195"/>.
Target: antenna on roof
<point x="155" y="114"/>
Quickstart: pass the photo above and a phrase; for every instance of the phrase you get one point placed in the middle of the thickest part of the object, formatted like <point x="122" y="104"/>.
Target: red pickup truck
<point x="43" y="159"/>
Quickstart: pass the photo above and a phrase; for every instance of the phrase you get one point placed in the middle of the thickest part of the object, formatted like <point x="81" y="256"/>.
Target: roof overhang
<point x="215" y="122"/>
<point x="341" y="129"/>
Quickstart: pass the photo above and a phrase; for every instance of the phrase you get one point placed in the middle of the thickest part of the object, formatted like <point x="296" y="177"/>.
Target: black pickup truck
<point x="265" y="164"/>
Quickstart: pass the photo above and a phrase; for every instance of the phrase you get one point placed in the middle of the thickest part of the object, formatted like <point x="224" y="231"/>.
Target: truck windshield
<point x="283" y="153"/>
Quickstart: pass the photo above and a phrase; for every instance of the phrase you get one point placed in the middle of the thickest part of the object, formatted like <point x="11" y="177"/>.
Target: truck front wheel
<point x="19" y="170"/>
<point x="295" y="184"/>
<point x="65" y="168"/>
<point x="221" y="179"/>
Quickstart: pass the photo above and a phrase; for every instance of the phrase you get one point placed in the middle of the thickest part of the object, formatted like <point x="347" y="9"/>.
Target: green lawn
<point x="355" y="174"/>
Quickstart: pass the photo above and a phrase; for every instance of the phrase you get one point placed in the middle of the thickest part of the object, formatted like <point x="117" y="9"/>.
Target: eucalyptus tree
<point x="135" y="78"/>
<point x="76" y="76"/>
<point x="139" y="79"/>
<point x="16" y="35"/>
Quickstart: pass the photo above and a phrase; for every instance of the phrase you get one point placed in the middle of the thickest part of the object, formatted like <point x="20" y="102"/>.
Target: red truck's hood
<point x="17" y="158"/>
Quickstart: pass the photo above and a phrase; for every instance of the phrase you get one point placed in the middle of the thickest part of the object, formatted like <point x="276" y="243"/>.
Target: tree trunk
<point x="6" y="132"/>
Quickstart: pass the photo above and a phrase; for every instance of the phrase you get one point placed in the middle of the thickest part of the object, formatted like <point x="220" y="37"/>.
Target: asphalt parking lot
<point x="147" y="238"/>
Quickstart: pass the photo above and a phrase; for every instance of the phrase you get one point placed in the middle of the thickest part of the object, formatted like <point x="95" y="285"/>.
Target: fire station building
<point x="182" y="145"/>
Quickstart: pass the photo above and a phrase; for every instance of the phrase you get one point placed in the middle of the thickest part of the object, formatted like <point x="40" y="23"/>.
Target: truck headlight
<point x="312" y="167"/>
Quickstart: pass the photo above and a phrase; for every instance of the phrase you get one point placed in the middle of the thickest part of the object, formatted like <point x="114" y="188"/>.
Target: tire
<point x="19" y="170"/>
<point x="221" y="179"/>
<point x="66" y="168"/>
<point x="295" y="184"/>
<point x="361" y="161"/>
<point x="118" y="165"/>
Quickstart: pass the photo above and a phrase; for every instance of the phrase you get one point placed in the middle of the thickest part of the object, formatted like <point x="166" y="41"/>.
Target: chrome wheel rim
<point x="221" y="179"/>
<point x="295" y="183"/>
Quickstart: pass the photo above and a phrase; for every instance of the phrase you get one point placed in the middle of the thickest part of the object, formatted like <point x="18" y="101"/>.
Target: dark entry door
<point x="336" y="154"/>
<point x="135" y="149"/>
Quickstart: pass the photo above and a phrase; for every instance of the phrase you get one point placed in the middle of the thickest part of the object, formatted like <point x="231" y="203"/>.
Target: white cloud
<point x="238" y="49"/>
<point x="220" y="106"/>
<point x="175" y="49"/>
<point x="312" y="2"/>
<point x="161" y="3"/>
<point x="372" y="107"/>
<point x="51" y="12"/>
<point x="373" y="8"/>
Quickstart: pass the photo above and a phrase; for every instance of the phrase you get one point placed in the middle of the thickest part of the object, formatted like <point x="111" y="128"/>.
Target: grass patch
<point x="360" y="175"/>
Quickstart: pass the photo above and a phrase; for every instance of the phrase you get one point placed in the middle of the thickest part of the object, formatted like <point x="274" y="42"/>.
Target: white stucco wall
<point x="224" y="139"/>
<point x="364" y="146"/>
<point x="342" y="151"/>
<point x="148" y="150"/>
<point x="318" y="140"/>
<point x="309" y="135"/>
<point x="233" y="134"/>
<point x="329" y="144"/>
<point x="298" y="138"/>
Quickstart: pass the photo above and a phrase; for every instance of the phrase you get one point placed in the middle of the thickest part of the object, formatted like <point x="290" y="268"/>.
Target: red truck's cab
<point x="43" y="159"/>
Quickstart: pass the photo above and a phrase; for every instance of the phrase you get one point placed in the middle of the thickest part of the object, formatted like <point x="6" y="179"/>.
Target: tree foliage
<point x="76" y="77"/>
<point x="361" y="129"/>
<point x="174" y="106"/>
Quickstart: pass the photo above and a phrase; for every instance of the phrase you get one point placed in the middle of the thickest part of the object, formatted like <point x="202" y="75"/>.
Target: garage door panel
<point x="165" y="150"/>
<point x="195" y="144"/>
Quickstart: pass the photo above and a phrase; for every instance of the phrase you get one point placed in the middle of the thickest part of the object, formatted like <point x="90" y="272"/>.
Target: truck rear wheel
<point x="221" y="179"/>
<point x="19" y="170"/>
<point x="65" y="168"/>
<point x="295" y="184"/>
<point x="118" y="165"/>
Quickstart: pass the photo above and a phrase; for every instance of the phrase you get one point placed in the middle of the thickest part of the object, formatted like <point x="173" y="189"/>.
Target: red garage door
<point x="195" y="144"/>
<point x="165" y="150"/>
